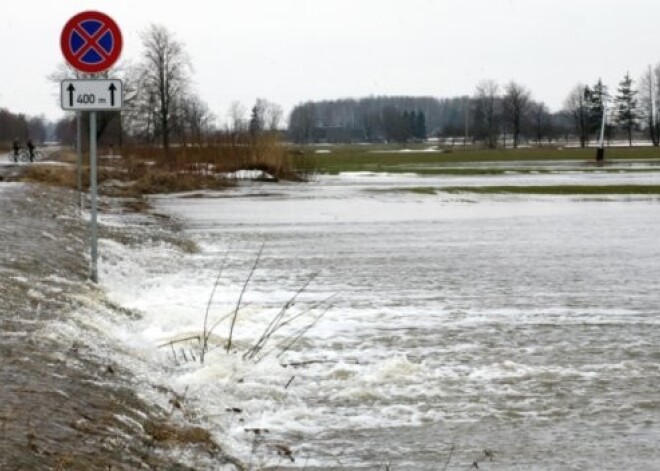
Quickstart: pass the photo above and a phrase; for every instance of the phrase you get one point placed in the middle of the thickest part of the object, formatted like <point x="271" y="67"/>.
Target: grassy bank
<point x="125" y="178"/>
<point x="394" y="158"/>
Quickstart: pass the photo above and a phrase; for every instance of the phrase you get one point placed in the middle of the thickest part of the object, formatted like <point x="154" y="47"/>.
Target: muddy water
<point x="518" y="333"/>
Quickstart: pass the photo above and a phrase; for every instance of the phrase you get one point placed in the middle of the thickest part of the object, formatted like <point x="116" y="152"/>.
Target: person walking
<point x="17" y="148"/>
<point x="30" y="147"/>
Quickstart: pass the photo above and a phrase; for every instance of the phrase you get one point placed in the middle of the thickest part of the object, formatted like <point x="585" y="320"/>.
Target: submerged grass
<point x="423" y="190"/>
<point x="476" y="171"/>
<point x="558" y="189"/>
<point x="414" y="158"/>
<point x="529" y="189"/>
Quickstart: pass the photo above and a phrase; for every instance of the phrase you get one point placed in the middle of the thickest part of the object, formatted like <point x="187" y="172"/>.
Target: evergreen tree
<point x="407" y="118"/>
<point x="420" y="126"/>
<point x="256" y="121"/>
<point x="626" y="104"/>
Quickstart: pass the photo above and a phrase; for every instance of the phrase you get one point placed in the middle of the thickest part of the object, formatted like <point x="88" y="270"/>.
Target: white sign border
<point x="86" y="88"/>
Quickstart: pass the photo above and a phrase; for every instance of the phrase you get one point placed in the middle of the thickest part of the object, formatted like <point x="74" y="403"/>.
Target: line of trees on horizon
<point x="21" y="127"/>
<point x="495" y="115"/>
<point x="162" y="109"/>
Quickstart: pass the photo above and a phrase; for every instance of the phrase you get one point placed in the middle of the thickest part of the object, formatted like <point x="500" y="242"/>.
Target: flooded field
<point x="517" y="332"/>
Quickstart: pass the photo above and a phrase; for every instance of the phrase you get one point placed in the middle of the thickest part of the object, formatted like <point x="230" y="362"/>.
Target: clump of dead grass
<point x="50" y="174"/>
<point x="224" y="153"/>
<point x="65" y="156"/>
<point x="65" y="175"/>
<point x="163" y="181"/>
<point x="143" y="170"/>
<point x="162" y="431"/>
<point x="130" y="183"/>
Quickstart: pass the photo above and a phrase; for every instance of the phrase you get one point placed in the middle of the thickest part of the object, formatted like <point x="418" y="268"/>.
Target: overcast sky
<point x="289" y="51"/>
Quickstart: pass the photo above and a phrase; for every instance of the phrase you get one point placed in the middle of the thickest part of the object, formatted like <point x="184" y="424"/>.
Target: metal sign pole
<point x="92" y="189"/>
<point x="82" y="39"/>
<point x="79" y="149"/>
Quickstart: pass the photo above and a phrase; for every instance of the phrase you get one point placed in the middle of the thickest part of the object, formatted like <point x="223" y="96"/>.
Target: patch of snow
<point x="247" y="175"/>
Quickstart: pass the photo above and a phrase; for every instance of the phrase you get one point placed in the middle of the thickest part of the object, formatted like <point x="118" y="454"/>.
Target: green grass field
<point x="385" y="158"/>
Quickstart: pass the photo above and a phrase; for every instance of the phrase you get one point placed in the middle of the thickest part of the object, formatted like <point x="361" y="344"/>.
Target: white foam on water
<point x="445" y="312"/>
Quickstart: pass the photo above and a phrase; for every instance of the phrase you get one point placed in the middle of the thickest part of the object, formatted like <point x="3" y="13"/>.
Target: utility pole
<point x="79" y="160"/>
<point x="654" y="128"/>
<point x="600" y="152"/>
<point x="466" y="101"/>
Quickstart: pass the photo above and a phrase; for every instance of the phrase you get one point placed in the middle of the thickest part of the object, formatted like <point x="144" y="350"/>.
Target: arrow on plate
<point x="70" y="89"/>
<point x="112" y="89"/>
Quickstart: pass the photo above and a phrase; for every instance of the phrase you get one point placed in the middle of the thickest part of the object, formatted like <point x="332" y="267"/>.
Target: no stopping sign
<point x="91" y="42"/>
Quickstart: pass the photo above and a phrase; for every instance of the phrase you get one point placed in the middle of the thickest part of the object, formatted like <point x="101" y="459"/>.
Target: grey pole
<point x="79" y="149"/>
<point x="654" y="111"/>
<point x="466" y="101"/>
<point x="600" y="152"/>
<point x="92" y="181"/>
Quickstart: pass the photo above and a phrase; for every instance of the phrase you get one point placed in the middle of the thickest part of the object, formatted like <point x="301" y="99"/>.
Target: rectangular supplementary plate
<point x="92" y="95"/>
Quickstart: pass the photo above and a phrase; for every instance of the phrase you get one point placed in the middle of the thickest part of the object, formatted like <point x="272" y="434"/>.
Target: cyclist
<point x="16" y="147"/>
<point x="30" y="147"/>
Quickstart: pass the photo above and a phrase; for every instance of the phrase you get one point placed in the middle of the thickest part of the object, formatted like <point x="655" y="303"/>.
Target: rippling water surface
<point x="526" y="326"/>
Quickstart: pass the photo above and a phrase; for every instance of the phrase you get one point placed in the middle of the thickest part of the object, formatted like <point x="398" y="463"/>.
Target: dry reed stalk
<point x="240" y="298"/>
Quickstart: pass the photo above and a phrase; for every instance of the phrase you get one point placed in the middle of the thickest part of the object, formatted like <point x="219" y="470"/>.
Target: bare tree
<point x="165" y="75"/>
<point x="515" y="104"/>
<point x="273" y="116"/>
<point x="541" y="121"/>
<point x="237" y="117"/>
<point x="577" y="105"/>
<point x="37" y="128"/>
<point x="267" y="114"/>
<point x="487" y="104"/>
<point x="193" y="118"/>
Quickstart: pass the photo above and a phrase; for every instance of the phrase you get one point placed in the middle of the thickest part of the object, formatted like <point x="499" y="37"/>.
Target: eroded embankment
<point x="63" y="403"/>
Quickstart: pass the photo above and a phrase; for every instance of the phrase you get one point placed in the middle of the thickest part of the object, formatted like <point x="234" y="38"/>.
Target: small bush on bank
<point x="157" y="181"/>
<point x="52" y="175"/>
<point x="224" y="153"/>
<point x="148" y="170"/>
<point x="115" y="183"/>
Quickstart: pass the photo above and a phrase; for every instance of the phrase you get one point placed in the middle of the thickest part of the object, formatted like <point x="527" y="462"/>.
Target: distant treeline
<point x="494" y="116"/>
<point x="21" y="127"/>
<point x="161" y="109"/>
<point x="397" y="118"/>
<point x="387" y="119"/>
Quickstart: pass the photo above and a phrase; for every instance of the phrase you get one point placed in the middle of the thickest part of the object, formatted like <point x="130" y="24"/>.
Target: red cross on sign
<point x="91" y="42"/>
